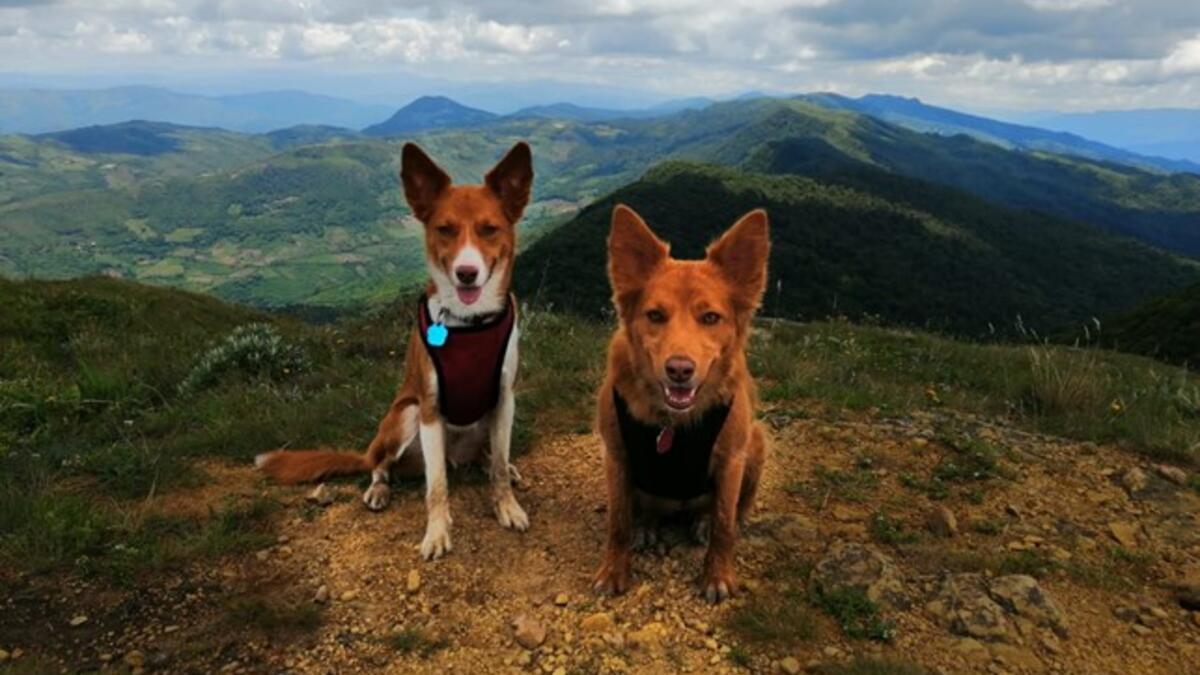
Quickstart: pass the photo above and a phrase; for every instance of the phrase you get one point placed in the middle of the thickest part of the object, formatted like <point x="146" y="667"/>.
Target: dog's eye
<point x="488" y="231"/>
<point x="446" y="230"/>
<point x="710" y="318"/>
<point x="656" y="316"/>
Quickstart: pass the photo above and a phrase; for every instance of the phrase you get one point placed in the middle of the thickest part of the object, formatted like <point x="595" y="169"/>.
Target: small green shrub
<point x="415" y="641"/>
<point x="888" y="530"/>
<point x="856" y="613"/>
<point x="738" y="656"/>
<point x="971" y="460"/>
<point x="1035" y="563"/>
<point x="989" y="527"/>
<point x="781" y="617"/>
<point x="253" y="350"/>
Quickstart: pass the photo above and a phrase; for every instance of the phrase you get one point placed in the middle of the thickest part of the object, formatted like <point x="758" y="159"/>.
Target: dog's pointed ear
<point x="512" y="179"/>
<point x="633" y="253"/>
<point x="741" y="256"/>
<point x="424" y="181"/>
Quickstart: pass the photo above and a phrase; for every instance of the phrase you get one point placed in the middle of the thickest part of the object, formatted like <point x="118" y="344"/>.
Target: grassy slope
<point x="93" y="423"/>
<point x="93" y="426"/>
<point x="906" y="251"/>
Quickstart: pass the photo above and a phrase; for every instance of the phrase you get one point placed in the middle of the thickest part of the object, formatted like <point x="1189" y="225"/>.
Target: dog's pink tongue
<point x="469" y="294"/>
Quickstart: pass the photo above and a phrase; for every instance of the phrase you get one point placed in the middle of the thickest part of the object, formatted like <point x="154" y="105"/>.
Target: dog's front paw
<point x="719" y="583"/>
<point x="613" y="576"/>
<point x="377" y="496"/>
<point x="437" y="539"/>
<point x="510" y="514"/>
<point x="645" y="538"/>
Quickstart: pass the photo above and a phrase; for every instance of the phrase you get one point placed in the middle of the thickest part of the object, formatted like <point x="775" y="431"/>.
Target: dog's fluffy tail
<point x="306" y="466"/>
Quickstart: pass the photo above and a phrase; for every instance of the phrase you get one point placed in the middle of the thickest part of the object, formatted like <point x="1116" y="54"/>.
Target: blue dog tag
<point x="436" y="335"/>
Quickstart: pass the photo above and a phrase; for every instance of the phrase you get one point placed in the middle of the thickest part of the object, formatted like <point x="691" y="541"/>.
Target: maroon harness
<point x="469" y="364"/>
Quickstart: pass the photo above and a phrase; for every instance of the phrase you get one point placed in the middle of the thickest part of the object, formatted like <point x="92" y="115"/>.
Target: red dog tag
<point x="666" y="438"/>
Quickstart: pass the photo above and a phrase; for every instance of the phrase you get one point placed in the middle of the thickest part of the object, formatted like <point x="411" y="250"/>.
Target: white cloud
<point x="1067" y="5"/>
<point x="1185" y="58"/>
<point x="1022" y="53"/>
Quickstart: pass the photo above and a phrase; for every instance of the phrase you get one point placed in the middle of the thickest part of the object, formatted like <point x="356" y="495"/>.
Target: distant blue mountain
<point x="570" y="111"/>
<point x="133" y="138"/>
<point x="676" y="105"/>
<point x="1169" y="132"/>
<point x="913" y="114"/>
<point x="435" y="112"/>
<point x="33" y="111"/>
<point x="430" y="112"/>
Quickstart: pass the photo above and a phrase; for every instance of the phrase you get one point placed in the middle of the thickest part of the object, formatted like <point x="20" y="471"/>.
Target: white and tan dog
<point x="457" y="395"/>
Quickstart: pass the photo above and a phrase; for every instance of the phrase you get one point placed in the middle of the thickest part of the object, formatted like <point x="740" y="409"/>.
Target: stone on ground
<point x="528" y="632"/>
<point x="321" y="495"/>
<point x="995" y="610"/>
<point x="600" y="622"/>
<point x="1124" y="533"/>
<point x="1134" y="480"/>
<point x="1172" y="473"/>
<point x="863" y="567"/>
<point x="1022" y="596"/>
<point x="941" y="521"/>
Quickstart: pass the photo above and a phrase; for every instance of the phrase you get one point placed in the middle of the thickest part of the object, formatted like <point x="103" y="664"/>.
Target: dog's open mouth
<point x="679" y="398"/>
<point x="468" y="294"/>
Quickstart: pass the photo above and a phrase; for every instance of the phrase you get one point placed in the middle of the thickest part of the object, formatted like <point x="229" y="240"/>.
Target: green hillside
<point x="905" y="251"/>
<point x="1165" y="327"/>
<point x="1160" y="209"/>
<point x="119" y="156"/>
<point x="320" y="225"/>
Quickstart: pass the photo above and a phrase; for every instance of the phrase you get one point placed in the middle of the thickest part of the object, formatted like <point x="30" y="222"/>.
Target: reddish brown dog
<point x="676" y="410"/>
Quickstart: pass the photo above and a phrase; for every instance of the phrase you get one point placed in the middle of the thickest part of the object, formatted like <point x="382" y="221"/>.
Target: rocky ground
<point x="981" y="548"/>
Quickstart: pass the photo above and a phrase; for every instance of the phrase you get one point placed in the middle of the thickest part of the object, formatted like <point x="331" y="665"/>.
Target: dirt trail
<point x="386" y="610"/>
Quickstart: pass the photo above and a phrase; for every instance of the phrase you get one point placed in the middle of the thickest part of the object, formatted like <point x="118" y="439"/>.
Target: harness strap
<point x="469" y="364"/>
<point x="680" y="472"/>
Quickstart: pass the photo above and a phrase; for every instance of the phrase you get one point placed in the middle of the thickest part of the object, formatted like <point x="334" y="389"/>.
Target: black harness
<point x="679" y="472"/>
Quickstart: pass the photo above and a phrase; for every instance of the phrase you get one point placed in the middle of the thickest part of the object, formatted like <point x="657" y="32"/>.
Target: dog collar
<point x="436" y="334"/>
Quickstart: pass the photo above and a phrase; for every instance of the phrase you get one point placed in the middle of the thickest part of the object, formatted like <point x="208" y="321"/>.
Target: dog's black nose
<point x="466" y="274"/>
<point x="680" y="369"/>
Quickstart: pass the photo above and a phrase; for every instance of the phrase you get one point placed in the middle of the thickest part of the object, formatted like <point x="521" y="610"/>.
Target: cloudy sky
<point x="984" y="55"/>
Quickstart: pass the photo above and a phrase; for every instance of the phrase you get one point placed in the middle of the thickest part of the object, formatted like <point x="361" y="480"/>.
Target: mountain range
<point x="1167" y="140"/>
<point x="33" y="111"/>
<point x="1165" y="132"/>
<point x="877" y="246"/>
<point x="909" y="226"/>
<point x="911" y="113"/>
